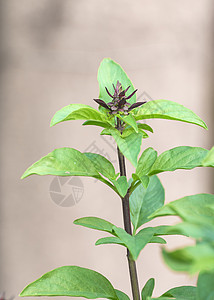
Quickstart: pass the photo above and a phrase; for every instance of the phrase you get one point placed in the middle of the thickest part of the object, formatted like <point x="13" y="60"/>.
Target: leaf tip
<point x="76" y="222"/>
<point x="52" y="123"/>
<point x="24" y="175"/>
<point x="205" y="126"/>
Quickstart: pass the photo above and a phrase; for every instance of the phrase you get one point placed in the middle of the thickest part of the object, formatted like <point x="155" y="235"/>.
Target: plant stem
<point x="127" y="225"/>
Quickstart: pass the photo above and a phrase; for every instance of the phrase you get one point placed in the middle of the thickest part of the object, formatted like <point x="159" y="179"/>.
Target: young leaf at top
<point x="109" y="73"/>
<point x="129" y="130"/>
<point x="129" y="145"/>
<point x="71" y="281"/>
<point x="183" y="157"/>
<point x="148" y="289"/>
<point x="63" y="162"/>
<point x="165" y="109"/>
<point x="77" y="112"/>
<point x="130" y="120"/>
<point x="143" y="202"/>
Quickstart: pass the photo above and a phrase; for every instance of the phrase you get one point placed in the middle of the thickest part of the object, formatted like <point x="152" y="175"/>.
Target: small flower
<point x="119" y="101"/>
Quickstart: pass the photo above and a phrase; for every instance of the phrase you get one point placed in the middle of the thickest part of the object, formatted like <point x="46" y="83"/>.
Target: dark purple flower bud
<point x="136" y="105"/>
<point x="127" y="88"/>
<point x="108" y="93"/>
<point x="102" y="103"/>
<point x="119" y="100"/>
<point x="122" y="102"/>
<point x="132" y="94"/>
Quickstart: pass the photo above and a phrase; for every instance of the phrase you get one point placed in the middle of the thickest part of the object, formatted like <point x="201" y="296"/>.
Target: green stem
<point x="127" y="226"/>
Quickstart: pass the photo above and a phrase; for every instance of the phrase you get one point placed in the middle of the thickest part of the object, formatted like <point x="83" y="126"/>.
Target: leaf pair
<point x="71" y="162"/>
<point x="134" y="243"/>
<point x="109" y="72"/>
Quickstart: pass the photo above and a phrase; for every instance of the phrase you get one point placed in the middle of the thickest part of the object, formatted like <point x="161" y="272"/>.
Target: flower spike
<point x="109" y="93"/>
<point x="119" y="102"/>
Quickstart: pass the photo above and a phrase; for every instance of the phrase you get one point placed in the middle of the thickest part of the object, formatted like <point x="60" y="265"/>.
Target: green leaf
<point x="167" y="230"/>
<point x="146" y="161"/>
<point x="144" y="179"/>
<point x="191" y="259"/>
<point x="109" y="240"/>
<point x="77" y="112"/>
<point x="164" y="109"/>
<point x="121" y="185"/>
<point x="126" y="132"/>
<point x="71" y="281"/>
<point x="205" y="286"/>
<point x="102" y="165"/>
<point x="209" y="159"/>
<point x="148" y="289"/>
<point x="97" y="123"/>
<point x="145" y="127"/>
<point x="95" y="223"/>
<point x="157" y="240"/>
<point x="195" y="206"/>
<point x="63" y="162"/>
<point x="129" y="146"/>
<point x="181" y="293"/>
<point x="134" y="243"/>
<point x="108" y="73"/>
<point x="197" y="228"/>
<point x="183" y="157"/>
<point x="121" y="295"/>
<point x="130" y="120"/>
<point x="143" y="202"/>
<point x="129" y="130"/>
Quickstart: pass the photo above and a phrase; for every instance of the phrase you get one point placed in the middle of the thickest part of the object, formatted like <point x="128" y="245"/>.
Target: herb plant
<point x="142" y="195"/>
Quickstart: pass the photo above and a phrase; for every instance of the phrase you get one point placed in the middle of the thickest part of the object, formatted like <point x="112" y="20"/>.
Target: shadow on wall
<point x="46" y="20"/>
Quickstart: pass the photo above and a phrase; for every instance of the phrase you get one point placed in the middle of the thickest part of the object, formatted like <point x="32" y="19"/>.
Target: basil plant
<point x="142" y="196"/>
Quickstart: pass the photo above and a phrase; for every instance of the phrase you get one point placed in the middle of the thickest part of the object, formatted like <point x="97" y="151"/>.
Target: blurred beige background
<point x="50" y="52"/>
